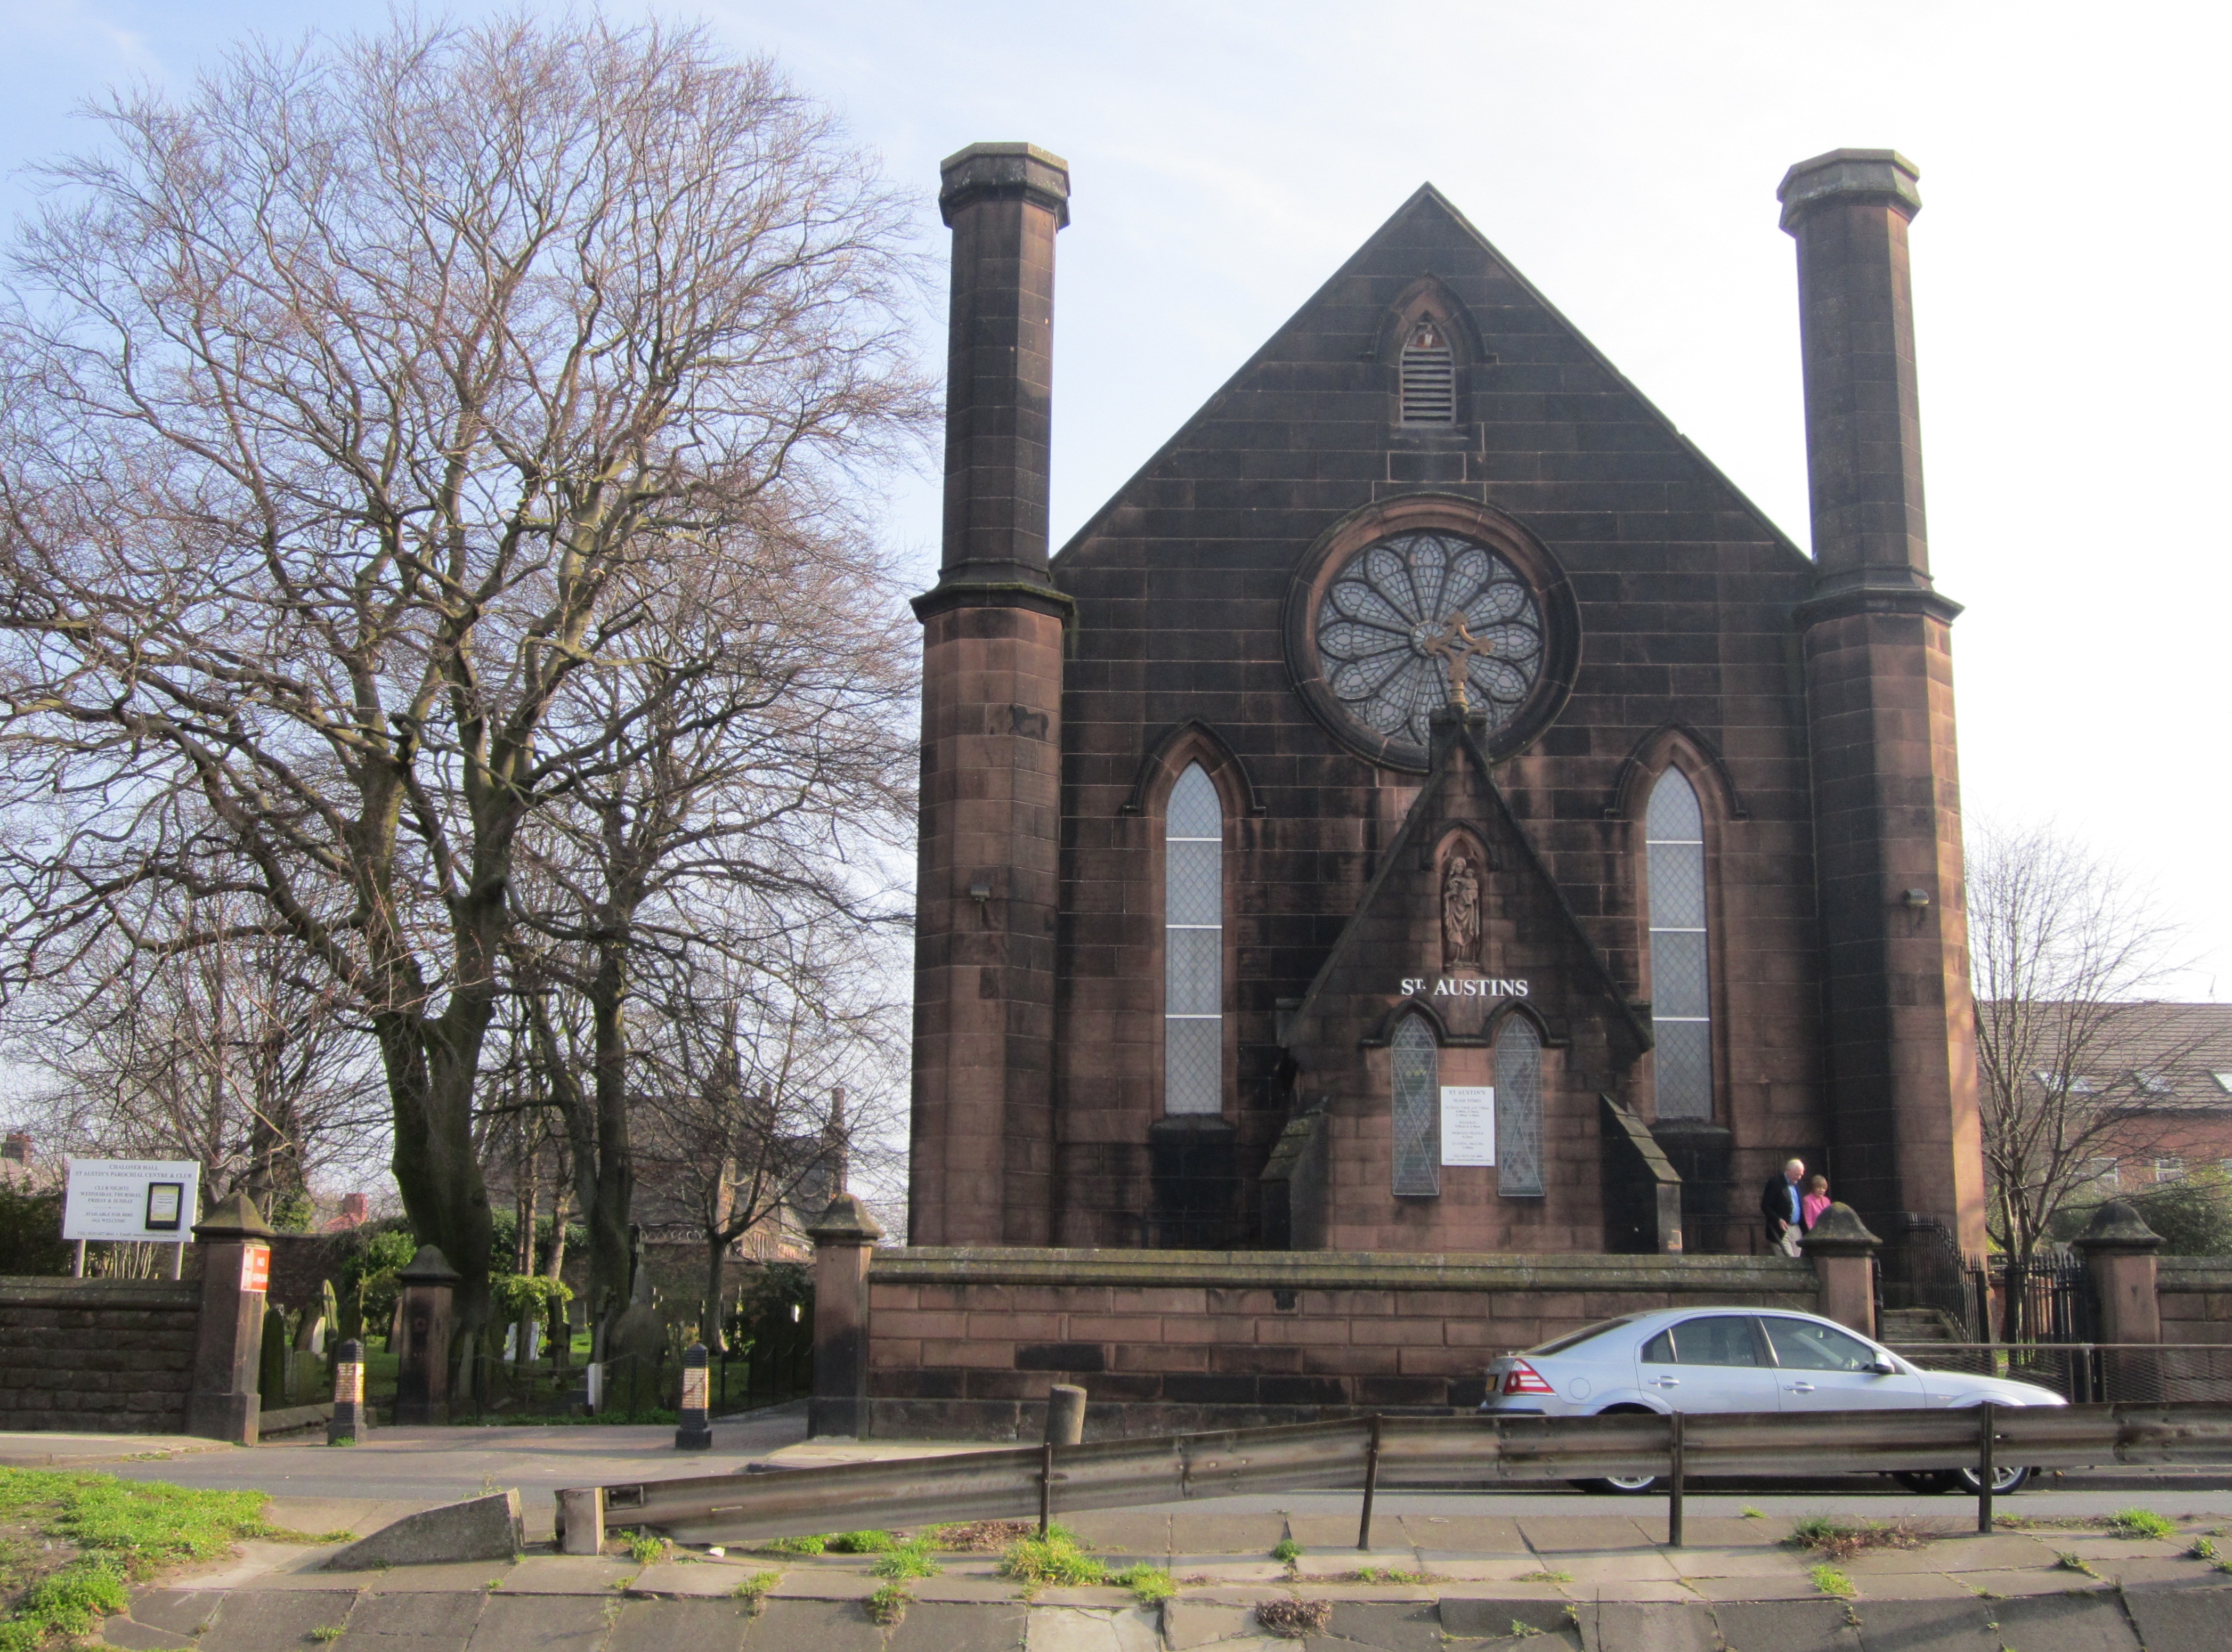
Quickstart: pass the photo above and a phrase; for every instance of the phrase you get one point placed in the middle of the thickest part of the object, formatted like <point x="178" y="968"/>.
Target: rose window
<point x="1423" y="620"/>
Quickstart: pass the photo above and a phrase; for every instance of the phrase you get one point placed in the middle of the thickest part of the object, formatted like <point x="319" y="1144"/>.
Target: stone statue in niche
<point x="1460" y="912"/>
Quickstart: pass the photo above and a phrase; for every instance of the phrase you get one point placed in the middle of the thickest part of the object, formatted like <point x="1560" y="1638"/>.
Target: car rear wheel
<point x="2005" y="1481"/>
<point x="1622" y="1485"/>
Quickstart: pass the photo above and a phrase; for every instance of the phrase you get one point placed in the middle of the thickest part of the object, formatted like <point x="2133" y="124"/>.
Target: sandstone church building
<point x="1429" y="808"/>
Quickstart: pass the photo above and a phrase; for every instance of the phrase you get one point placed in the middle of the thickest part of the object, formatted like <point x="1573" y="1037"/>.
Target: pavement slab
<point x="544" y="1623"/>
<point x="1131" y="1629"/>
<point x="1468" y="1534"/>
<point x="565" y="1574"/>
<point x="1570" y="1534"/>
<point x="1789" y="1626"/>
<point x="811" y="1626"/>
<point x="1491" y="1616"/>
<point x="2078" y="1621"/>
<point x="185" y="1611"/>
<point x="1737" y="1562"/>
<point x="1753" y="1590"/>
<point x="1191" y="1624"/>
<point x="1964" y="1625"/>
<point x="705" y="1580"/>
<point x="1387" y="1625"/>
<point x="808" y="1583"/>
<point x="680" y="1626"/>
<point x="1122" y="1533"/>
<point x="277" y="1621"/>
<point x="1626" y="1626"/>
<point x="420" y="1622"/>
<point x="955" y="1590"/>
<point x="2181" y="1620"/>
<point x="929" y="1626"/>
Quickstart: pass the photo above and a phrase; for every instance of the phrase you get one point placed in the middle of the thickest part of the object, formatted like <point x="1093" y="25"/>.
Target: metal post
<point x="696" y="1431"/>
<point x="1676" y="1469"/>
<point x="1987" y="1424"/>
<point x="346" y="1424"/>
<point x="179" y="1259"/>
<point x="1046" y="1487"/>
<point x="77" y="1263"/>
<point x="1371" y="1488"/>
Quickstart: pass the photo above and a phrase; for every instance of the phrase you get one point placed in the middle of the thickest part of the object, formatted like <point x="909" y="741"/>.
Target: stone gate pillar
<point x="843" y="1239"/>
<point x="235" y="1244"/>
<point x="422" y="1374"/>
<point x="1843" y="1252"/>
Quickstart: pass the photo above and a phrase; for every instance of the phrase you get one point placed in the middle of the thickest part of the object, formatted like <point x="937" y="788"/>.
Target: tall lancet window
<point x="1429" y="375"/>
<point x="1518" y="1109"/>
<point x="1417" y="1062"/>
<point x="1193" y="946"/>
<point x="1681" y="991"/>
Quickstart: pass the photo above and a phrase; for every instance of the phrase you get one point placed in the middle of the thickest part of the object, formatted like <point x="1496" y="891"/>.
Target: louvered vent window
<point x="1430" y="376"/>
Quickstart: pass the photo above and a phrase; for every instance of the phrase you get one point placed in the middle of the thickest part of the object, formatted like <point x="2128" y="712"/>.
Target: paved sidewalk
<point x="1587" y="1584"/>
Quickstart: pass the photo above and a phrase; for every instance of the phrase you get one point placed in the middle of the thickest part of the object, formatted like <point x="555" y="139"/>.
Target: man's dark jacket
<point x="1774" y="1204"/>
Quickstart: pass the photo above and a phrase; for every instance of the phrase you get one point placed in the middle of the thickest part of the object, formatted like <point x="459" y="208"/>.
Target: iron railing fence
<point x="2050" y="1299"/>
<point x="2089" y="1373"/>
<point x="1018" y="1482"/>
<point x="1927" y="1269"/>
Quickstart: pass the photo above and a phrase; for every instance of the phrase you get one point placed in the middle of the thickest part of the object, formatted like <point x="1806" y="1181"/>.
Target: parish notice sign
<point x="148" y="1199"/>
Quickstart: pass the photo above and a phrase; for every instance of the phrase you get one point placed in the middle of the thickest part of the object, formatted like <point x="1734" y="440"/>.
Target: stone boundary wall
<point x="110" y="1356"/>
<point x="2194" y="1293"/>
<point x="963" y="1343"/>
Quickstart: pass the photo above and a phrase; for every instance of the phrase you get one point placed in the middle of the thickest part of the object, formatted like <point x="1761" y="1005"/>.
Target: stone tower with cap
<point x="1899" y="1025"/>
<point x="982" y="1133"/>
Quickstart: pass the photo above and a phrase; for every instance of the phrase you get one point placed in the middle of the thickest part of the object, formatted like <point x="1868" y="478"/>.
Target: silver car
<point x="1725" y="1359"/>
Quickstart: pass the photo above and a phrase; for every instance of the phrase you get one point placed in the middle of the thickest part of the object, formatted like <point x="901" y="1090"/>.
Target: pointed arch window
<point x="1519" y="1109"/>
<point x="1681" y="990"/>
<point x="1417" y="1063"/>
<point x="1428" y="374"/>
<point x="1193" y="947"/>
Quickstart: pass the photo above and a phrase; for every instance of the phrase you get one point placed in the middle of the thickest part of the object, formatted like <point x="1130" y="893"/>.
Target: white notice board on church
<point x="148" y="1199"/>
<point x="1467" y="1124"/>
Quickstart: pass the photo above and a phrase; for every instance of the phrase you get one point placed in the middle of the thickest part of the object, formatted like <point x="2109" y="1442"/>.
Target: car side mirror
<point x="1883" y="1368"/>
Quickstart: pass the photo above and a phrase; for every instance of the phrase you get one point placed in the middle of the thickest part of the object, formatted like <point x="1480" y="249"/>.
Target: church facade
<point x="1429" y="808"/>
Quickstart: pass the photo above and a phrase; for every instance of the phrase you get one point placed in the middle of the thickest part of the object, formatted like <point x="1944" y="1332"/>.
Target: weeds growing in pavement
<point x="976" y="1537"/>
<point x="888" y="1604"/>
<point x="2066" y="1561"/>
<point x="1384" y="1575"/>
<point x="1835" y="1540"/>
<point x="326" y="1632"/>
<point x="1290" y="1620"/>
<point x="808" y="1544"/>
<point x="755" y="1588"/>
<point x="1148" y="1584"/>
<point x="645" y="1548"/>
<point x="1054" y="1559"/>
<point x="2141" y="1523"/>
<point x="907" y="1560"/>
<point x="1287" y="1550"/>
<point x="2200" y="1549"/>
<point x="858" y="1542"/>
<point x="1832" y="1582"/>
<point x="1546" y="1576"/>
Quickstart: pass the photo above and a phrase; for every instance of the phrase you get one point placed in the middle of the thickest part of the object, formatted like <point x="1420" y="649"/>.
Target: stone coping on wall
<point x="1337" y="1270"/>
<point x="39" y="1291"/>
<point x="2193" y="1274"/>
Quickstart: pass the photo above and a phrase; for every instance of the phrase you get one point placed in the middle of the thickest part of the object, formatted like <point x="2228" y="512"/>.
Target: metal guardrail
<point x="1021" y="1482"/>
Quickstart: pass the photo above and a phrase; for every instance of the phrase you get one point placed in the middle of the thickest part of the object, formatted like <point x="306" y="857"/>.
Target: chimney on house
<point x="1906" y="1147"/>
<point x="980" y="1171"/>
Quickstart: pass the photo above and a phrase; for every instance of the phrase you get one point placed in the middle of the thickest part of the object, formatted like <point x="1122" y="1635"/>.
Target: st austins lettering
<point x="1468" y="986"/>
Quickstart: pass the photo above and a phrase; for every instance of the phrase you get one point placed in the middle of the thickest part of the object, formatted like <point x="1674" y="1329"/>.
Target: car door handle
<point x="1666" y="1381"/>
<point x="1801" y="1388"/>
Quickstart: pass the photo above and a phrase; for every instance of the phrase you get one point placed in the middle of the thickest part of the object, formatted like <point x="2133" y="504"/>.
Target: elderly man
<point x="1782" y="1204"/>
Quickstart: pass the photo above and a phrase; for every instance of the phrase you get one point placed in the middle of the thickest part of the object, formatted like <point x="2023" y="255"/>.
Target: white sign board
<point x="155" y="1199"/>
<point x="1469" y="1123"/>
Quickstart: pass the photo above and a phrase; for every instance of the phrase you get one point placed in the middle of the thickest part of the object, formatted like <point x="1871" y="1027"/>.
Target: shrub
<point x="31" y="1233"/>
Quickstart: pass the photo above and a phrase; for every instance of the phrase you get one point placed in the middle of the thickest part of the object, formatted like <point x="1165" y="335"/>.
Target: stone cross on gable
<point x="1456" y="646"/>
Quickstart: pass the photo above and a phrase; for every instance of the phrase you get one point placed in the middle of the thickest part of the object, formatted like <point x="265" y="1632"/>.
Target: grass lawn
<point x="70" y="1542"/>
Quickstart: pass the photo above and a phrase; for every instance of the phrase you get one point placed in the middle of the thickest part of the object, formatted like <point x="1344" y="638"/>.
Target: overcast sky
<point x="2069" y="271"/>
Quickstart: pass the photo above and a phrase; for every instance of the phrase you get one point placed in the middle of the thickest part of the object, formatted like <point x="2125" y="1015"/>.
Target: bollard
<point x="695" y="1433"/>
<point x="348" y="1424"/>
<point x="1065" y="1418"/>
<point x="581" y="1520"/>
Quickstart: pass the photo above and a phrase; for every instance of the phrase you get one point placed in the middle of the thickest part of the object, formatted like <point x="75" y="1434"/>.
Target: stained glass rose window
<point x="1425" y="620"/>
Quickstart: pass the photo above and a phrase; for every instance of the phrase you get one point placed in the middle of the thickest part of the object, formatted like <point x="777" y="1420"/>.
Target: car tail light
<point x="1523" y="1378"/>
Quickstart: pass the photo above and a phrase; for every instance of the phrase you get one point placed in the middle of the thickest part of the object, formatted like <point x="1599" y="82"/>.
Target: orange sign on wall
<point x="256" y="1267"/>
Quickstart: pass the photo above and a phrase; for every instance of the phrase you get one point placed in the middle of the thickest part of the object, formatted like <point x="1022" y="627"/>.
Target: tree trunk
<point x="710" y="1330"/>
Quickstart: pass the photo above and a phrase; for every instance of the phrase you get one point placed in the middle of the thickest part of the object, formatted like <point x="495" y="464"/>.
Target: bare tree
<point x="347" y="409"/>
<point x="239" y="1054"/>
<point x="2064" y="949"/>
<point x="745" y="1114"/>
<point x="748" y="772"/>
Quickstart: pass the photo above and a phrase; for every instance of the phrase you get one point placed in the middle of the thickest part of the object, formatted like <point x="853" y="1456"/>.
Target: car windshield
<point x="1571" y="1340"/>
